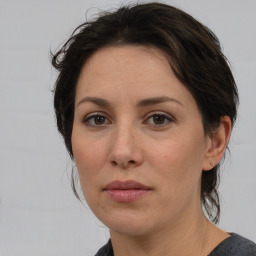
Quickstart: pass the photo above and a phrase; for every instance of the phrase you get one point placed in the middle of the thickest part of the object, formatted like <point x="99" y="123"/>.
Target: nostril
<point x="114" y="163"/>
<point x="124" y="164"/>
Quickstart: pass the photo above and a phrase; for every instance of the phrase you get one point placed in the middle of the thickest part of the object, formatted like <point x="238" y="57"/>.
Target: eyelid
<point x="161" y="113"/>
<point x="97" y="113"/>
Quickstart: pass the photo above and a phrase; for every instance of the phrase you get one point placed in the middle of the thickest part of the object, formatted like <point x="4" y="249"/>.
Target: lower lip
<point x="128" y="195"/>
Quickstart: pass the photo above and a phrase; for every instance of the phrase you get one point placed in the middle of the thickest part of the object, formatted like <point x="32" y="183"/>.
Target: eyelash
<point x="91" y="117"/>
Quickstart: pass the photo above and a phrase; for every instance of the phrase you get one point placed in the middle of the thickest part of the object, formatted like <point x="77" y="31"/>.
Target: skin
<point x="126" y="143"/>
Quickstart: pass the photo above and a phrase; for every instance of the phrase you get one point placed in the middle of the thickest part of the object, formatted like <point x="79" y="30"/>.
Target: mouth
<point x="126" y="191"/>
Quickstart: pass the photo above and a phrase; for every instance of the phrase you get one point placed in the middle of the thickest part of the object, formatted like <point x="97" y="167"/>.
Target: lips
<point x="126" y="191"/>
<point x="125" y="185"/>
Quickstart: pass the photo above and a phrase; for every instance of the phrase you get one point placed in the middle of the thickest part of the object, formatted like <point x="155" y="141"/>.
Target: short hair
<point x="194" y="55"/>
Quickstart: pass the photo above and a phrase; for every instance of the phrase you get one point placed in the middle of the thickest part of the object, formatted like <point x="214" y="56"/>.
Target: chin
<point x="129" y="224"/>
<point x="130" y="229"/>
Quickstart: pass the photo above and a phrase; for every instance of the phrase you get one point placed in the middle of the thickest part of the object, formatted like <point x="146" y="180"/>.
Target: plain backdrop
<point x="39" y="215"/>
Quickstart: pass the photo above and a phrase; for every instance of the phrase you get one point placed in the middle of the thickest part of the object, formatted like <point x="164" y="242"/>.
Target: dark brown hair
<point x="194" y="55"/>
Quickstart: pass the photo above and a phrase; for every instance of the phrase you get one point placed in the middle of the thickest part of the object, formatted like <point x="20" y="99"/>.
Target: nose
<point x="125" y="149"/>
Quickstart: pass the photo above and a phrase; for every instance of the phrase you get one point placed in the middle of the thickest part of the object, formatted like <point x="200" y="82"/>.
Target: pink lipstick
<point x="126" y="191"/>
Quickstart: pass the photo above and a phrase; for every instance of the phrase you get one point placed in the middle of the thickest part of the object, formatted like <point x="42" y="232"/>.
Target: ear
<point x="217" y="143"/>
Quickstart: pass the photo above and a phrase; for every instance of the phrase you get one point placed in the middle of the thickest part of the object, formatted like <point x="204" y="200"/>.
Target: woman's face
<point x="138" y="141"/>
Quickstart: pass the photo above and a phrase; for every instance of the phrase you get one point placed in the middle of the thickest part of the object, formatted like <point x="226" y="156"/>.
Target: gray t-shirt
<point x="234" y="245"/>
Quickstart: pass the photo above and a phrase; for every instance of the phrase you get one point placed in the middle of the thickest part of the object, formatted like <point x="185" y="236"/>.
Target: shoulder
<point x="105" y="250"/>
<point x="235" y="245"/>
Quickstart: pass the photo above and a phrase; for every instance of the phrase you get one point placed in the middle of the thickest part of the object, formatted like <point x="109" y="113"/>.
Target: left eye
<point x="95" y="120"/>
<point x="159" y="119"/>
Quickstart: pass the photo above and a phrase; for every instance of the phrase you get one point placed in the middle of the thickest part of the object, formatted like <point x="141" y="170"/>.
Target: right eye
<point x="95" y="120"/>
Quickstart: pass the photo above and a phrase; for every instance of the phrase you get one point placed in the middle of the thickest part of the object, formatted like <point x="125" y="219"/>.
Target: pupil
<point x="159" y="119"/>
<point x="99" y="119"/>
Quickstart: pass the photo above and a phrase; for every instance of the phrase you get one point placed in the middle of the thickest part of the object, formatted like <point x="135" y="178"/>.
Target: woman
<point x="146" y="101"/>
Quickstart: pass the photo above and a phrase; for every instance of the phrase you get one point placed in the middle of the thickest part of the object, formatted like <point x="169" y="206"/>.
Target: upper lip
<point x="125" y="185"/>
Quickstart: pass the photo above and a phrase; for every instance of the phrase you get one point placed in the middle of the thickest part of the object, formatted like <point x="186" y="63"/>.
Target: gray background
<point x="39" y="215"/>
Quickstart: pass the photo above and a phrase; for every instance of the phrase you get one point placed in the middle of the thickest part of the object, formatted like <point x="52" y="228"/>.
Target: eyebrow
<point x="98" y="101"/>
<point x="157" y="100"/>
<point x="143" y="103"/>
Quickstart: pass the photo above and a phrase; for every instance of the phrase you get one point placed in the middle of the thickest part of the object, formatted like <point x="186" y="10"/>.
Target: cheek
<point x="87" y="154"/>
<point x="179" y="162"/>
<point x="88" y="165"/>
<point x="90" y="159"/>
<point x="177" y="153"/>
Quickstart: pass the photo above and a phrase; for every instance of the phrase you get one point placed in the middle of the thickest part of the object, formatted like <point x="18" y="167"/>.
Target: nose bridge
<point x="123" y="137"/>
<point x="125" y="148"/>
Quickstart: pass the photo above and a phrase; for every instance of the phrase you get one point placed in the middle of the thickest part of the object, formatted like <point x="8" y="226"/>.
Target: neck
<point x="194" y="236"/>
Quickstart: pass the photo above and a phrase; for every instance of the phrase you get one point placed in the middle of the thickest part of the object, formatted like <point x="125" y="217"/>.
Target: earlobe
<point x="217" y="144"/>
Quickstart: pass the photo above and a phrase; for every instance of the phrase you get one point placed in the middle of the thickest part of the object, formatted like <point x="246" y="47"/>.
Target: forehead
<point x="135" y="71"/>
<point x="125" y="61"/>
